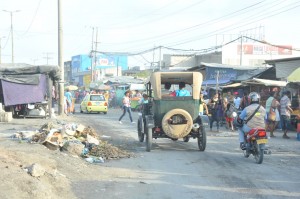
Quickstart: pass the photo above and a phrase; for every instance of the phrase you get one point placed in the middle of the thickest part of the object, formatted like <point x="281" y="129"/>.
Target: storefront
<point x="294" y="87"/>
<point x="264" y="87"/>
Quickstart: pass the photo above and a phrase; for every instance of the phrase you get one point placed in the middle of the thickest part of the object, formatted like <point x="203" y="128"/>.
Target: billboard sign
<point x="255" y="49"/>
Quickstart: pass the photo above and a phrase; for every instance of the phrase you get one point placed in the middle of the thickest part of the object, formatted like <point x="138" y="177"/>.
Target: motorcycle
<point x="256" y="140"/>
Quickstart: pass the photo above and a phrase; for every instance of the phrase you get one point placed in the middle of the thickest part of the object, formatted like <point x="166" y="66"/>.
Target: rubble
<point x="108" y="151"/>
<point x="36" y="170"/>
<point x="75" y="139"/>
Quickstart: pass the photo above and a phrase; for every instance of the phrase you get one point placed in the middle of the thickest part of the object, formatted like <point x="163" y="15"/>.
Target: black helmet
<point x="254" y="97"/>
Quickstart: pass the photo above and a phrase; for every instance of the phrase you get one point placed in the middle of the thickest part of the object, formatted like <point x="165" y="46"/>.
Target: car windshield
<point x="97" y="98"/>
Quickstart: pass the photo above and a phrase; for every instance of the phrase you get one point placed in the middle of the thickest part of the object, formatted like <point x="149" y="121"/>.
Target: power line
<point x="229" y="29"/>
<point x="195" y="26"/>
<point x="144" y="15"/>
<point x="33" y="18"/>
<point x="213" y="21"/>
<point x="7" y="40"/>
<point x="173" y="13"/>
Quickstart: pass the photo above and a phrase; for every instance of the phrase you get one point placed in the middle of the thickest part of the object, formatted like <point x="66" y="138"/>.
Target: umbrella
<point x="294" y="76"/>
<point x="71" y="87"/>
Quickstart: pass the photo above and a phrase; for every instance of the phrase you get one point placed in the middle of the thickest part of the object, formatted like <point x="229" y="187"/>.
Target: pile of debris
<point x="75" y="139"/>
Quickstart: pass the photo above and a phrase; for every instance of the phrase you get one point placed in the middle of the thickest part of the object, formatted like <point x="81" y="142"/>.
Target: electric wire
<point x="226" y="29"/>
<point x="7" y="39"/>
<point x="34" y="16"/>
<point x="195" y="26"/>
<point x="144" y="15"/>
<point x="199" y="25"/>
<point x="165" y="16"/>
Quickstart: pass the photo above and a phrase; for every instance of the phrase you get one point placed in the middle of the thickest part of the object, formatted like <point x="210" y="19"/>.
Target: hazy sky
<point x="135" y="26"/>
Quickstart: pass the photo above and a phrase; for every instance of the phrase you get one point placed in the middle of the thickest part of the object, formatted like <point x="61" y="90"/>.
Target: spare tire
<point x="177" y="129"/>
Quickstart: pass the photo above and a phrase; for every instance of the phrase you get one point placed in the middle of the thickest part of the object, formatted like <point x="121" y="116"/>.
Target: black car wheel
<point x="202" y="138"/>
<point x="140" y="129"/>
<point x="148" y="139"/>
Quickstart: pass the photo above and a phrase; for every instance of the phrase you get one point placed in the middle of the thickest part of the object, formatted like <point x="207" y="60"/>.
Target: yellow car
<point x="94" y="103"/>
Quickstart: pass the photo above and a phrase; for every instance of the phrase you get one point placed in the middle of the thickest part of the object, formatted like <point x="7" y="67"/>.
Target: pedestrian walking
<point x="236" y="100"/>
<point x="285" y="112"/>
<point x="245" y="101"/>
<point x="202" y="105"/>
<point x="213" y="104"/>
<point x="229" y="115"/>
<point x="68" y="96"/>
<point x="126" y="106"/>
<point x="272" y="105"/>
<point x="220" y="110"/>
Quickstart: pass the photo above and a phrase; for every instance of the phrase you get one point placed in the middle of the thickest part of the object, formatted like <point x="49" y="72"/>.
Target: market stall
<point x="294" y="87"/>
<point x="264" y="87"/>
<point x="26" y="90"/>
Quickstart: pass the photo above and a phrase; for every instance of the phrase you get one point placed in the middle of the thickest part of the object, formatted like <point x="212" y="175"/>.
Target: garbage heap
<point x="75" y="139"/>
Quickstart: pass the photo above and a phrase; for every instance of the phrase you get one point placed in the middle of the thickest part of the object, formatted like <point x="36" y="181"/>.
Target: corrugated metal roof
<point x="232" y="85"/>
<point x="265" y="82"/>
<point x="237" y="67"/>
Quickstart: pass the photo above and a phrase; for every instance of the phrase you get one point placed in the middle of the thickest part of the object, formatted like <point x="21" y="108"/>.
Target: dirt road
<point x="173" y="169"/>
<point x="178" y="170"/>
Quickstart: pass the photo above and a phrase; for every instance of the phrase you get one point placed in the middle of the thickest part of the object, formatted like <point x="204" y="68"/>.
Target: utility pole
<point x="241" y="51"/>
<point x="34" y="60"/>
<point x="92" y="54"/>
<point x="159" y="57"/>
<point x="217" y="84"/>
<point x="152" y="63"/>
<point x="47" y="57"/>
<point x="60" y="60"/>
<point x="12" y="33"/>
<point x="95" y="54"/>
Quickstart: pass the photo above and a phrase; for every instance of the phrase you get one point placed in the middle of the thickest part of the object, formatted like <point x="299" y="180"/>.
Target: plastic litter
<point x="95" y="160"/>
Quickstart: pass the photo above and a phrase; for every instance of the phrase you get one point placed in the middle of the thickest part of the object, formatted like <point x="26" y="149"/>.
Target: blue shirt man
<point x="182" y="92"/>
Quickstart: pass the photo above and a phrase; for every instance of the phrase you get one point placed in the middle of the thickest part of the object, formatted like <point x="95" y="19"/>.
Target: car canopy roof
<point x="193" y="78"/>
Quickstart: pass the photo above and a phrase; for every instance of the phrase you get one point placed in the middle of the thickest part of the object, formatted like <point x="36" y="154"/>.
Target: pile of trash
<point x="75" y="139"/>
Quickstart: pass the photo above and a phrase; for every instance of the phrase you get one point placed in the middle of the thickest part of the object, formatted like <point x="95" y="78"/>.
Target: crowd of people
<point x="277" y="110"/>
<point x="221" y="108"/>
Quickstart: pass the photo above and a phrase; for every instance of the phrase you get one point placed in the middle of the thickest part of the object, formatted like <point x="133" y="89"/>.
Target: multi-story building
<point x="87" y="69"/>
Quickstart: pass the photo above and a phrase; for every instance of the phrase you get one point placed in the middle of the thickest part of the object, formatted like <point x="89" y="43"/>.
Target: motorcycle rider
<point x="257" y="121"/>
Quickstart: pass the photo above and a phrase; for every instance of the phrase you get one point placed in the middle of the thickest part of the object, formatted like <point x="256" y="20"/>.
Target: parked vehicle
<point x="255" y="144"/>
<point x="94" y="103"/>
<point x="169" y="116"/>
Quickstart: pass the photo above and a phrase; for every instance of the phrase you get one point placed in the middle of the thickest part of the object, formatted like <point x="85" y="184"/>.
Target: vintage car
<point x="169" y="116"/>
<point x="94" y="103"/>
